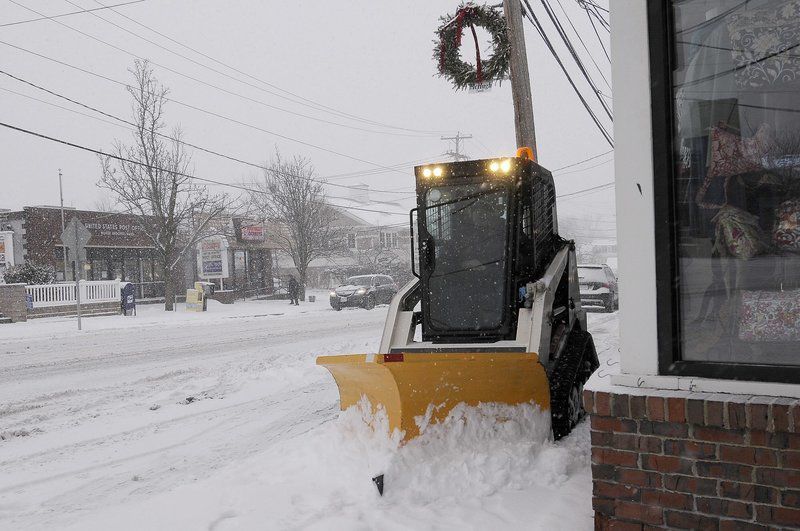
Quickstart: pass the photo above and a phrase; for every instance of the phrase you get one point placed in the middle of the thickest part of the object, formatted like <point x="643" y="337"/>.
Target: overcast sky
<point x="367" y="58"/>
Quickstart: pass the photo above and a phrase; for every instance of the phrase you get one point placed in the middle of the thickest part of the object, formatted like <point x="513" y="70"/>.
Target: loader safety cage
<point x="484" y="228"/>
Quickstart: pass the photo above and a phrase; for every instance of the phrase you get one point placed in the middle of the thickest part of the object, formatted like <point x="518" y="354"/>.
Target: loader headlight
<point x="361" y="291"/>
<point x="505" y="165"/>
<point x="437" y="171"/>
<point x="426" y="172"/>
<point x="494" y="166"/>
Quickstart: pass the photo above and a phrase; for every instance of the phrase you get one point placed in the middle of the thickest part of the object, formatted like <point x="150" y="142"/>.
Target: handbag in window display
<point x="737" y="119"/>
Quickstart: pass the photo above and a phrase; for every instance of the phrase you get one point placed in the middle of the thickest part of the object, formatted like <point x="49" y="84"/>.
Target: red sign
<point x="253" y="232"/>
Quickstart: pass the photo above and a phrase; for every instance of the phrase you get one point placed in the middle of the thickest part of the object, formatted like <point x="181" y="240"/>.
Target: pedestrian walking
<point x="294" y="291"/>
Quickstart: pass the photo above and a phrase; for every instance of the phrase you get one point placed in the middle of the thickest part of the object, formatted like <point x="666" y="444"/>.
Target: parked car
<point x="364" y="291"/>
<point x="598" y="286"/>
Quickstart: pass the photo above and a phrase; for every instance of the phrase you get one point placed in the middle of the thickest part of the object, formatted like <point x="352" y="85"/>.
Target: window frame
<point x="661" y="54"/>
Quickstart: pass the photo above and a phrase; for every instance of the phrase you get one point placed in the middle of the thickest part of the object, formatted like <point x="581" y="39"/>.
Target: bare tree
<point x="154" y="181"/>
<point x="292" y="198"/>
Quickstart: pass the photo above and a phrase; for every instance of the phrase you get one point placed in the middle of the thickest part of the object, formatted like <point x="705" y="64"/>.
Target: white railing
<point x="92" y="291"/>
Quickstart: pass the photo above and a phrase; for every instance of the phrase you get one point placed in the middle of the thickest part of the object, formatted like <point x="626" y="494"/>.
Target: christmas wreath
<point x="462" y="74"/>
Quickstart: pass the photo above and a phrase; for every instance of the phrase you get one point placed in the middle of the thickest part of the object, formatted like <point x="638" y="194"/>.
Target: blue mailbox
<point x="128" y="296"/>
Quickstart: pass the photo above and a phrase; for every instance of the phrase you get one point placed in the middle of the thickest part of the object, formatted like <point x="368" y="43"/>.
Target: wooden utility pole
<point x="520" y="78"/>
<point x="521" y="87"/>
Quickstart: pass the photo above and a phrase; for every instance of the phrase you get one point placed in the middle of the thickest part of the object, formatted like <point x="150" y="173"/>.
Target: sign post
<point x="75" y="237"/>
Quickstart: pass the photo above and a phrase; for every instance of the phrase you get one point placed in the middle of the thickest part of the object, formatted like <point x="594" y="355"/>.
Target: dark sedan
<point x="364" y="291"/>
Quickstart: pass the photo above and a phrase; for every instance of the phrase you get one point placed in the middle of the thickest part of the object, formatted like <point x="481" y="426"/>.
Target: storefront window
<point x="736" y="179"/>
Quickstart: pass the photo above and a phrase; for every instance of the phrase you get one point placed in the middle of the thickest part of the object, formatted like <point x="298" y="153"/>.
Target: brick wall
<point x="694" y="461"/>
<point x="12" y="302"/>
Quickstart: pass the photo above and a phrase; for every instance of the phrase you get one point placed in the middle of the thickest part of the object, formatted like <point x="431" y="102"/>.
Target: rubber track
<point x="576" y="363"/>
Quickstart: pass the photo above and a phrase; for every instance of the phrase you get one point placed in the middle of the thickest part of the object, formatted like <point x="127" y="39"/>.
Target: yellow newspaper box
<point x="195" y="301"/>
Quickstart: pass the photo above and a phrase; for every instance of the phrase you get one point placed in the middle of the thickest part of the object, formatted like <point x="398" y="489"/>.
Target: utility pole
<point x="520" y="78"/>
<point x="78" y="275"/>
<point x="61" y="195"/>
<point x="521" y="87"/>
<point x="456" y="153"/>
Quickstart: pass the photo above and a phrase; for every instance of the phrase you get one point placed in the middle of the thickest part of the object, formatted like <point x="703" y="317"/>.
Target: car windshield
<point x="591" y="274"/>
<point x="363" y="280"/>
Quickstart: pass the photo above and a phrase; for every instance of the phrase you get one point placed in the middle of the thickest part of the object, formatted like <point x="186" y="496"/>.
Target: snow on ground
<point x="222" y="421"/>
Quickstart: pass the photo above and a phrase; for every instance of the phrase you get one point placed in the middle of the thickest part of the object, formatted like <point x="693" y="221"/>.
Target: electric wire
<point x="533" y="19"/>
<point x="599" y="39"/>
<point x="580" y="39"/>
<point x="180" y="174"/>
<point x="571" y="49"/>
<point x="68" y="14"/>
<point x="582" y="161"/>
<point x="208" y="84"/>
<point x="245" y="82"/>
<point x="133" y="125"/>
<point x="200" y="109"/>
<point x="315" y="104"/>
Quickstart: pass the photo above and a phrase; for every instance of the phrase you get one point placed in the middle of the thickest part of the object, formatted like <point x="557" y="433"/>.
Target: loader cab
<point x="484" y="229"/>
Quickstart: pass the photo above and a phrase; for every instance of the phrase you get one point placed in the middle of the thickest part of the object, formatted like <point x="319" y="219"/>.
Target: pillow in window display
<point x="738" y="233"/>
<point x="786" y="235"/>
<point x="731" y="155"/>
<point x="769" y="316"/>
<point x="762" y="42"/>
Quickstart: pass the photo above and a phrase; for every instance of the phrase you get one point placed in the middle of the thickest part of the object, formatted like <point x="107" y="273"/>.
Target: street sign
<point x="75" y="237"/>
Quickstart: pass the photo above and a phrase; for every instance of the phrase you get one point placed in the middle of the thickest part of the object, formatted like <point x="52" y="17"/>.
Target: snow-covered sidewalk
<point x="222" y="420"/>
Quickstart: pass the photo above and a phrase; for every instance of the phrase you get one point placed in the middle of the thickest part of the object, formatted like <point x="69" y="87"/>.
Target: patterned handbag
<point x="786" y="235"/>
<point x="769" y="316"/>
<point x="731" y="155"/>
<point x="737" y="233"/>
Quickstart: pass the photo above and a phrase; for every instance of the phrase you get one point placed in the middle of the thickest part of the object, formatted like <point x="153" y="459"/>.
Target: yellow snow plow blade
<point x="406" y="384"/>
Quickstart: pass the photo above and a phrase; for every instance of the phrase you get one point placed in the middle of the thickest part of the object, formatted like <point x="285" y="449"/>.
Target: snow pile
<point x="474" y="452"/>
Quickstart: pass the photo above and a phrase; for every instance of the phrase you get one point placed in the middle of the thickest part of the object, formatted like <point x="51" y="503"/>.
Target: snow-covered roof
<point x="376" y="213"/>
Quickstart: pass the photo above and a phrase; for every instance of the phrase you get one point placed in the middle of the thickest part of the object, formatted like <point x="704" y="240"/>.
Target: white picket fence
<point x="92" y="291"/>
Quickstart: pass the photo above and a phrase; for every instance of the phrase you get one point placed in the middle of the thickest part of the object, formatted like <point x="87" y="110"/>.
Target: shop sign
<point x="253" y="232"/>
<point x="212" y="256"/>
<point x="114" y="229"/>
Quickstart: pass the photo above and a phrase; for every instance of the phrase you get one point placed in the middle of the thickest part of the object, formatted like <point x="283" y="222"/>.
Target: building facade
<point x="701" y="427"/>
<point x="373" y="241"/>
<point x="117" y="249"/>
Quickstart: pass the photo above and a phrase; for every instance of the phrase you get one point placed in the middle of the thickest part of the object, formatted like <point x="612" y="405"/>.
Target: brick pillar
<point x="12" y="302"/>
<point x="694" y="461"/>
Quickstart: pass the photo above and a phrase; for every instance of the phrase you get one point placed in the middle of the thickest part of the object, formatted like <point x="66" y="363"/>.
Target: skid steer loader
<point x="494" y="313"/>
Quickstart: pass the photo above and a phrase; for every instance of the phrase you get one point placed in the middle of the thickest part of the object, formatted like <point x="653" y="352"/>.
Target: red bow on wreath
<point x="459" y="21"/>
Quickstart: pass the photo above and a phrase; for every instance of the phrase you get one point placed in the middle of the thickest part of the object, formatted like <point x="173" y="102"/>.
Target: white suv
<point x="598" y="286"/>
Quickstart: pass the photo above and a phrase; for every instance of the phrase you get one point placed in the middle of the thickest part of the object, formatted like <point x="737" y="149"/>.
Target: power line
<point x="51" y="17"/>
<point x="254" y="78"/>
<point x="591" y="57"/>
<point x="592" y="189"/>
<point x="597" y="34"/>
<point x="230" y="185"/>
<point x="180" y="174"/>
<point x="200" y="109"/>
<point x="582" y="161"/>
<point x="533" y="19"/>
<point x="579" y="170"/>
<point x="571" y="49"/>
<point x="131" y="124"/>
<point x="202" y="82"/>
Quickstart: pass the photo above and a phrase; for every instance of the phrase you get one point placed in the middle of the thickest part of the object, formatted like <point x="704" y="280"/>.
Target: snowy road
<point x="222" y="421"/>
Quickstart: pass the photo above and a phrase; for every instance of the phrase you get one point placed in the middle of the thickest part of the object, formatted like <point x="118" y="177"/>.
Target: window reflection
<point x="737" y="178"/>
